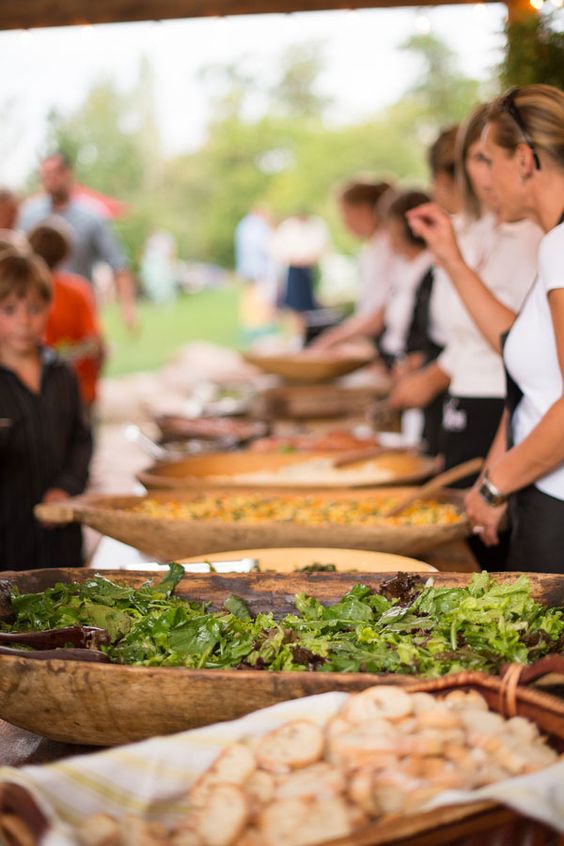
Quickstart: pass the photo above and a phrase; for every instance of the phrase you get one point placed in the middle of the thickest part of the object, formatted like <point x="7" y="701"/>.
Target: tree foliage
<point x="534" y="50"/>
<point x="267" y="140"/>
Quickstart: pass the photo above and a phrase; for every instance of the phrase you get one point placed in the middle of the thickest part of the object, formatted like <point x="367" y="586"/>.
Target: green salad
<point x="415" y="628"/>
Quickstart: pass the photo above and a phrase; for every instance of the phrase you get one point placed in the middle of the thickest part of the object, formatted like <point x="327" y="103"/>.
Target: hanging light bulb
<point x="557" y="3"/>
<point x="536" y="4"/>
<point x="422" y="24"/>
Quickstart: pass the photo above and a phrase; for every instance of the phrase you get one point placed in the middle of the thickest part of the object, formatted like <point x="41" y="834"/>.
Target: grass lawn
<point x="212" y="315"/>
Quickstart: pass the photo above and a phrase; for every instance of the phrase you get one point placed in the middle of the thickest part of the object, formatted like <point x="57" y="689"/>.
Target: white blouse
<point x="398" y="310"/>
<point x="531" y="353"/>
<point x="376" y="264"/>
<point x="505" y="257"/>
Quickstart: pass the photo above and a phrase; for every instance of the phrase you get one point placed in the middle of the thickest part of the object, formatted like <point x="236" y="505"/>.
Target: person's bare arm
<point x="357" y="326"/>
<point x="417" y="390"/>
<point x="491" y="316"/>
<point x="539" y="453"/>
<point x="127" y="295"/>
<point x="543" y="449"/>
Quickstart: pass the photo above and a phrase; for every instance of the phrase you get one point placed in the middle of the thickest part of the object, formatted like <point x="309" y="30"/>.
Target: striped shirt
<point x="44" y="443"/>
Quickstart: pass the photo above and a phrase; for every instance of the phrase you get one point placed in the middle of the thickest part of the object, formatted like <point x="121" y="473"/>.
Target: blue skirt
<point x="299" y="289"/>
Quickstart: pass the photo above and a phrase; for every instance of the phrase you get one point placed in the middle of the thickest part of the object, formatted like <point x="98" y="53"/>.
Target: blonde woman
<point x="524" y="147"/>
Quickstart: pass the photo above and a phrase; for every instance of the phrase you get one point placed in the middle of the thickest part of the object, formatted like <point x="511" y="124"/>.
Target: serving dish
<point x="108" y="704"/>
<point x="292" y="559"/>
<point x="167" y="538"/>
<point x="309" y="366"/>
<point x="247" y="468"/>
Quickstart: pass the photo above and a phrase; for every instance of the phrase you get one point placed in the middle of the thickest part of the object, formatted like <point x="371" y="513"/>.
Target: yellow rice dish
<point x="305" y="510"/>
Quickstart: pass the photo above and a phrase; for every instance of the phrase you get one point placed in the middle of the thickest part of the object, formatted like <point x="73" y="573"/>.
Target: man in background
<point x="92" y="239"/>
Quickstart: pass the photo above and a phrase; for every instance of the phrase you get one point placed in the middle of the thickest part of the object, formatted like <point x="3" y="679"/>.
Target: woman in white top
<point x="503" y="255"/>
<point x="390" y="321"/>
<point x="524" y="145"/>
<point x="358" y="204"/>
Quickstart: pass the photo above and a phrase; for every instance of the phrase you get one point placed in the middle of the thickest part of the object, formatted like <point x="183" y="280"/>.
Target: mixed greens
<point x="411" y="627"/>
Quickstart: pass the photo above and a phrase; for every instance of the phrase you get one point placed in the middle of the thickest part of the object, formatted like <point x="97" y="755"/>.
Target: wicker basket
<point x="22" y="823"/>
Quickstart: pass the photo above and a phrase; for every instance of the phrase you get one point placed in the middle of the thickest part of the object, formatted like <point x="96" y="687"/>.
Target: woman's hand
<point x="485" y="519"/>
<point x="430" y="222"/>
<point x="418" y="389"/>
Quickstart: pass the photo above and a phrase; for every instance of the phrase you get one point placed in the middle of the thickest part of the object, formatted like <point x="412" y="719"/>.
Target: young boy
<point x="72" y="327"/>
<point x="45" y="445"/>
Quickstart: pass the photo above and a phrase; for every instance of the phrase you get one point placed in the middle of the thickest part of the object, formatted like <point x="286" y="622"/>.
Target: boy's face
<point x="22" y="322"/>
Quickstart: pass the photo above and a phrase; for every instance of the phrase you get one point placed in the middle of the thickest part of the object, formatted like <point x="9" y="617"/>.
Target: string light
<point x="537" y="4"/>
<point x="422" y="24"/>
<point x="557" y="3"/>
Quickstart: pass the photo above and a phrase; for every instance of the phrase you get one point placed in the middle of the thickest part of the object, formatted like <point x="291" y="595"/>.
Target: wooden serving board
<point x="107" y="704"/>
<point x="247" y="468"/>
<point x="166" y="539"/>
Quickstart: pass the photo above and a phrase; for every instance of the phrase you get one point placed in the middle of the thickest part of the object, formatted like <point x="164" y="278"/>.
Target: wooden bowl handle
<point x="59" y="513"/>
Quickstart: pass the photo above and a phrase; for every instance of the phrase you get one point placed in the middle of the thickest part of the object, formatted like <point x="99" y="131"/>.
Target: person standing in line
<point x="504" y="256"/>
<point x="523" y="144"/>
<point x="254" y="266"/>
<point x="73" y="328"/>
<point x="298" y="245"/>
<point x="45" y="443"/>
<point x="92" y="239"/>
<point x="358" y="202"/>
<point x="426" y="338"/>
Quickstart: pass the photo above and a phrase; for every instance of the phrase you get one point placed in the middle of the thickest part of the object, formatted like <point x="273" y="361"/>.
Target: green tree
<point x="534" y="50"/>
<point x="442" y="93"/>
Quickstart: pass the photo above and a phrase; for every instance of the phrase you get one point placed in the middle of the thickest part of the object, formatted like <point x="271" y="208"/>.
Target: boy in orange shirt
<point x="73" y="329"/>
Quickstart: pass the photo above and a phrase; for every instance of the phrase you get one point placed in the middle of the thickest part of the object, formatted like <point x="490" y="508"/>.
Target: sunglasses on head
<point x="508" y="106"/>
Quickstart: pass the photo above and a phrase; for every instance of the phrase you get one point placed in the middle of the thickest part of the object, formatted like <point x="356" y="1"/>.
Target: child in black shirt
<point x="45" y="444"/>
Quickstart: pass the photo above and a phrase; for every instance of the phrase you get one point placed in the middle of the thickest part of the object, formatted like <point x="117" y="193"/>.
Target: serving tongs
<point x="74" y="643"/>
<point x="455" y="474"/>
<point x="360" y="455"/>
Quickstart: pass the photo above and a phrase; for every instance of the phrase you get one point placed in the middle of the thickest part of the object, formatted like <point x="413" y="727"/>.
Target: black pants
<point x="537" y="535"/>
<point x="433" y="426"/>
<point x="469" y="427"/>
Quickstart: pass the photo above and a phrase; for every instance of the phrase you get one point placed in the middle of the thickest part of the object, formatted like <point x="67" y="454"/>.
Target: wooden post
<point x="517" y="10"/>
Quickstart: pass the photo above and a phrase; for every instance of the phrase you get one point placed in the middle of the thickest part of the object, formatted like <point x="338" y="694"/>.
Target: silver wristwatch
<point x="489" y="493"/>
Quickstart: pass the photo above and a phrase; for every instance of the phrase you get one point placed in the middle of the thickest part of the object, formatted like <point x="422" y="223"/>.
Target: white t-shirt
<point x="398" y="310"/>
<point x="531" y="354"/>
<point x="376" y="264"/>
<point x="505" y="257"/>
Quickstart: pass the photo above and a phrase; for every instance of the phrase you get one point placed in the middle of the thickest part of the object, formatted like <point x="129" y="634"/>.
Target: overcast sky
<point x="42" y="69"/>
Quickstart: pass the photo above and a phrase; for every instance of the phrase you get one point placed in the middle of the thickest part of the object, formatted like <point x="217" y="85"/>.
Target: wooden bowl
<point x="300" y="367"/>
<point x="166" y="539"/>
<point x="248" y="468"/>
<point x="291" y="559"/>
<point x="108" y="704"/>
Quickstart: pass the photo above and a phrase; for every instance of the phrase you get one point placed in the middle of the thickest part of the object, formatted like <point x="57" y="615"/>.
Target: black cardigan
<point x="45" y="443"/>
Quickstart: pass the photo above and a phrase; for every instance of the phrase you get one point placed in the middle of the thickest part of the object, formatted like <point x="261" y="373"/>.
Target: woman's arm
<point x="417" y="390"/>
<point x="539" y="453"/>
<point x="491" y="317"/>
<point x="357" y="326"/>
<point x="543" y="449"/>
<point x="480" y="514"/>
